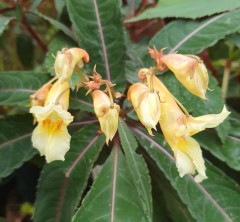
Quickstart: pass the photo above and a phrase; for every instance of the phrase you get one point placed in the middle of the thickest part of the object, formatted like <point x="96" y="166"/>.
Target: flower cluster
<point x="150" y="98"/>
<point x="49" y="107"/>
<point x="154" y="104"/>
<point x="50" y="103"/>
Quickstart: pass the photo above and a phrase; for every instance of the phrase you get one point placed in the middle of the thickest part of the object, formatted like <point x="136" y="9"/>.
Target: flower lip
<point x="51" y="137"/>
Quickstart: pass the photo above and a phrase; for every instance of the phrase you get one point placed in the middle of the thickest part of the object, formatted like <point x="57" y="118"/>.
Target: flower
<point x="190" y="71"/>
<point x="51" y="137"/>
<point x="67" y="59"/>
<point x="178" y="128"/>
<point x="146" y="105"/>
<point x="107" y="113"/>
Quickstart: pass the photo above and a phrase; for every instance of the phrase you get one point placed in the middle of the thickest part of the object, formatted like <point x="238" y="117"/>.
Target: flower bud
<point x="146" y="105"/>
<point x="107" y="113"/>
<point x="190" y="71"/>
<point x="66" y="60"/>
<point x="40" y="96"/>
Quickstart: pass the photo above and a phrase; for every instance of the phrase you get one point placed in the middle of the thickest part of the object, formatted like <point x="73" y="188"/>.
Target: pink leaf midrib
<point x="221" y="210"/>
<point x="102" y="40"/>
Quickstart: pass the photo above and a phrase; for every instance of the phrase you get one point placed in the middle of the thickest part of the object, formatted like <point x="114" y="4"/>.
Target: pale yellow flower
<point x="178" y="128"/>
<point x="51" y="136"/>
<point x="67" y="59"/>
<point x="146" y="104"/>
<point x="190" y="71"/>
<point x="107" y="113"/>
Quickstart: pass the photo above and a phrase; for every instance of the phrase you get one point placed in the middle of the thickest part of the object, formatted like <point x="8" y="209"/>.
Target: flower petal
<point x="58" y="144"/>
<point x="184" y="163"/>
<point x="190" y="71"/>
<point x="197" y="124"/>
<point x="191" y="148"/>
<point x="101" y="102"/>
<point x="42" y="113"/>
<point x="109" y="122"/>
<point x="53" y="145"/>
<point x="39" y="139"/>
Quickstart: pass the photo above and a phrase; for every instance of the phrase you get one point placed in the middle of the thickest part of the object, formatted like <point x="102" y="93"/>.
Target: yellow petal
<point x="135" y="94"/>
<point x="190" y="71"/>
<point x="197" y="124"/>
<point x="53" y="145"/>
<point x="101" y="102"/>
<point x="108" y="116"/>
<point x="66" y="60"/>
<point x="51" y="111"/>
<point x="58" y="145"/>
<point x="39" y="139"/>
<point x="51" y="137"/>
<point x="62" y="66"/>
<point x="192" y="149"/>
<point x="146" y="105"/>
<point x="184" y="163"/>
<point x="59" y="93"/>
<point x="109" y="122"/>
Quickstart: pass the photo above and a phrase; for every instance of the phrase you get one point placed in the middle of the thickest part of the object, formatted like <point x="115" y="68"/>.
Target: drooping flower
<point x="178" y="128"/>
<point x="51" y="136"/>
<point x="107" y="113"/>
<point x="190" y="71"/>
<point x="66" y="60"/>
<point x="146" y="104"/>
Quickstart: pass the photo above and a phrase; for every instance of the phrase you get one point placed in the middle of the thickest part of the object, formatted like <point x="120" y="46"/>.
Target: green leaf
<point x="25" y="50"/>
<point x="99" y="29"/>
<point x="17" y="86"/>
<point x="134" y="61"/>
<point x="234" y="39"/>
<point x="191" y="37"/>
<point x="15" y="143"/>
<point x="228" y="152"/>
<point x="63" y="182"/>
<point x="168" y="199"/>
<point x="57" y="24"/>
<point x="197" y="107"/>
<point x="138" y="170"/>
<point x="3" y="23"/>
<point x="35" y="5"/>
<point x="187" y="9"/>
<point x="113" y="196"/>
<point x="79" y="100"/>
<point x="215" y="199"/>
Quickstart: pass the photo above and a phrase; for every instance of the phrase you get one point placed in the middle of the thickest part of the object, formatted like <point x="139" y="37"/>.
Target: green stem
<point x="226" y="77"/>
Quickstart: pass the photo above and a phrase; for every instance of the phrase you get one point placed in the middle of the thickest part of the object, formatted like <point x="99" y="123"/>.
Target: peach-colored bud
<point x="107" y="113"/>
<point x="67" y="59"/>
<point x="146" y="105"/>
<point x="190" y="71"/>
<point x="40" y="96"/>
<point x="59" y="94"/>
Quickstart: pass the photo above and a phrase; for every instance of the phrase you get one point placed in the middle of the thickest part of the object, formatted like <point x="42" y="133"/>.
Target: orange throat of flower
<point x="52" y="126"/>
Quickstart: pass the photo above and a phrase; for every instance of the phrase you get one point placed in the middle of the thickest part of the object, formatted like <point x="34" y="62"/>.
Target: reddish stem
<point x="4" y="10"/>
<point x="34" y="34"/>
